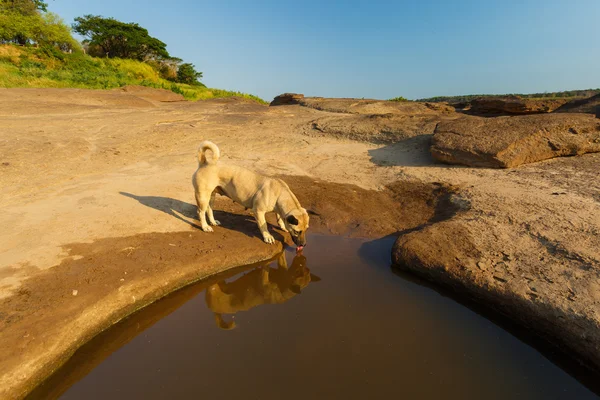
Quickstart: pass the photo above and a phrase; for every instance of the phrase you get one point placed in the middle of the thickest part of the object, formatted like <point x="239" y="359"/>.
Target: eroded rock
<point x="505" y="142"/>
<point x="513" y="105"/>
<point x="376" y="128"/>
<point x="286" y="99"/>
<point x="550" y="288"/>
<point x="590" y="105"/>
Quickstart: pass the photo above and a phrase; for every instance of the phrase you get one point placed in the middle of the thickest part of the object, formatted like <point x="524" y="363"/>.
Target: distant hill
<point x="572" y="94"/>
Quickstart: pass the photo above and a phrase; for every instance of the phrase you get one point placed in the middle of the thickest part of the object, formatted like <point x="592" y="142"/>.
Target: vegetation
<point x="26" y="66"/>
<point x="23" y="23"/>
<point x="186" y="73"/>
<point x="115" y="39"/>
<point x="37" y="50"/>
<point x="107" y="37"/>
<point x="537" y="96"/>
<point x="399" y="99"/>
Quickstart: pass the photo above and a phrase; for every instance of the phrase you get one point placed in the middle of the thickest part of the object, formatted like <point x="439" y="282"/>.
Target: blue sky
<point x="372" y="49"/>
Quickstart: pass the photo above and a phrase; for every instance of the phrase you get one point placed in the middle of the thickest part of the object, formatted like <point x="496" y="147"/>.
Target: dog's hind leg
<point x="209" y="210"/>
<point x="203" y="200"/>
<point x="262" y="225"/>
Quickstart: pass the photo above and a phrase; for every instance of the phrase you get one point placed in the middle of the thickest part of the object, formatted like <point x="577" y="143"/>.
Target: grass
<point x="50" y="68"/>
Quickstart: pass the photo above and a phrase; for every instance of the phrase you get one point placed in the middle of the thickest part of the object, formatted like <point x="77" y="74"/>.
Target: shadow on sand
<point x="411" y="152"/>
<point x="187" y="213"/>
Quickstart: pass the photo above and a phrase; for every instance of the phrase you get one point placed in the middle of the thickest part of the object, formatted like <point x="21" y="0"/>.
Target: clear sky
<point x="372" y="49"/>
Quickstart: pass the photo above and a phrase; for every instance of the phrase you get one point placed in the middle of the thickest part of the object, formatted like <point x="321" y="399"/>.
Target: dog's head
<point x="296" y="222"/>
<point x="300" y="274"/>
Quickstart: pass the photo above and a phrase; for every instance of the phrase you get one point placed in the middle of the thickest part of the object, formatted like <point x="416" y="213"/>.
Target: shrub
<point x="186" y="73"/>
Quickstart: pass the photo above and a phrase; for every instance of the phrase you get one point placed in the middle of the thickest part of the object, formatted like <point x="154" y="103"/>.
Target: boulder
<point x="286" y="99"/>
<point x="504" y="142"/>
<point x="513" y="105"/>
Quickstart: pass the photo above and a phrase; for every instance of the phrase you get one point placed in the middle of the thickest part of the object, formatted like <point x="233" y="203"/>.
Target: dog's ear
<point x="314" y="278"/>
<point x="292" y="220"/>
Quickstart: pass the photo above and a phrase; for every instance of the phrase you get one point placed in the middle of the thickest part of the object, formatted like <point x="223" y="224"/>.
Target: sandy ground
<point x="96" y="184"/>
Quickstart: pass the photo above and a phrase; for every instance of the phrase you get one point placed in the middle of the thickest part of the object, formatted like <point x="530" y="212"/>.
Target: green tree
<point x="23" y="22"/>
<point x="186" y="73"/>
<point x="112" y="38"/>
<point x="24" y="7"/>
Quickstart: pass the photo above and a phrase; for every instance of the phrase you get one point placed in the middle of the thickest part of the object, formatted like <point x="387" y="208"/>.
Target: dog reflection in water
<point x="262" y="285"/>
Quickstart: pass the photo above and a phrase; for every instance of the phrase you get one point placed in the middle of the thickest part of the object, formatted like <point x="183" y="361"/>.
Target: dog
<point x="259" y="193"/>
<point x="262" y="285"/>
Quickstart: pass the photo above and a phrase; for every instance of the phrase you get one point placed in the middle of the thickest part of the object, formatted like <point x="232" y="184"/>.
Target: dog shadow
<point x="187" y="212"/>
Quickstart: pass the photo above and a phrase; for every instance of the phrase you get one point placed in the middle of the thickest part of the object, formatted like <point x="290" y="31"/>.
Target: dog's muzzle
<point x="298" y="241"/>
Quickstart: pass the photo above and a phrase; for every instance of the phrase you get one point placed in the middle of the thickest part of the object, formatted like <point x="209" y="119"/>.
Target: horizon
<point x="368" y="51"/>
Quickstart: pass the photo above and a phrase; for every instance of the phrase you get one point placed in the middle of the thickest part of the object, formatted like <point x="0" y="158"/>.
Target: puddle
<point x="336" y="324"/>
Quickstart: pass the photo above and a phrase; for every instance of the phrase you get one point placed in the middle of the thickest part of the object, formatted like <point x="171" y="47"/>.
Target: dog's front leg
<point x="262" y="225"/>
<point x="281" y="223"/>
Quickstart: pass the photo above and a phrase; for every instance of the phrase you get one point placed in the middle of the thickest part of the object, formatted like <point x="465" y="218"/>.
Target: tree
<point x="23" y="7"/>
<point x="23" y="22"/>
<point x="14" y="10"/>
<point x="114" y="38"/>
<point x="186" y="73"/>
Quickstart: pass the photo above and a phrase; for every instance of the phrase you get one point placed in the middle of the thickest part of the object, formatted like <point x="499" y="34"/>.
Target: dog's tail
<point x="208" y="145"/>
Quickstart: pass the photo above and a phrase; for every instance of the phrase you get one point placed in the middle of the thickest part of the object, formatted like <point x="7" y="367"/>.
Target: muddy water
<point x="335" y="323"/>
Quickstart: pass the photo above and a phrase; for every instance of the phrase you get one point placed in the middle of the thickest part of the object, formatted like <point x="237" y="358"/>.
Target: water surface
<point x="337" y="323"/>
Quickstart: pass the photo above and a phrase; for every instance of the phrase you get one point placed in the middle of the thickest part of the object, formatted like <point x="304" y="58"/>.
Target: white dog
<point x="259" y="193"/>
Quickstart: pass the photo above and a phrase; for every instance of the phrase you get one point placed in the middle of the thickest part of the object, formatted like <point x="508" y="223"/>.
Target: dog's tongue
<point x="299" y="249"/>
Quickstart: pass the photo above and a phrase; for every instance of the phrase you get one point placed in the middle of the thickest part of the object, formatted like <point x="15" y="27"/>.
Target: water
<point x="354" y="329"/>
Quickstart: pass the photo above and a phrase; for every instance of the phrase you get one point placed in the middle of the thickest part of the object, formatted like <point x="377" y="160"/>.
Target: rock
<point x="286" y="98"/>
<point x="552" y="291"/>
<point x="442" y="107"/>
<point x="513" y="105"/>
<point x="376" y="128"/>
<point x="505" y="142"/>
<point x="370" y="106"/>
<point x="376" y="121"/>
<point x="590" y="105"/>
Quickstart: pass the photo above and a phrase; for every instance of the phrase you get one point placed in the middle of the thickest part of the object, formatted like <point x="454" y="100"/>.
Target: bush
<point x="186" y="73"/>
<point x="399" y="99"/>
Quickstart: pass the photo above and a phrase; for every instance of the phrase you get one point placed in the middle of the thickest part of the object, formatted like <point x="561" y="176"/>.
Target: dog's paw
<point x="215" y="223"/>
<point x="207" y="228"/>
<point x="268" y="239"/>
